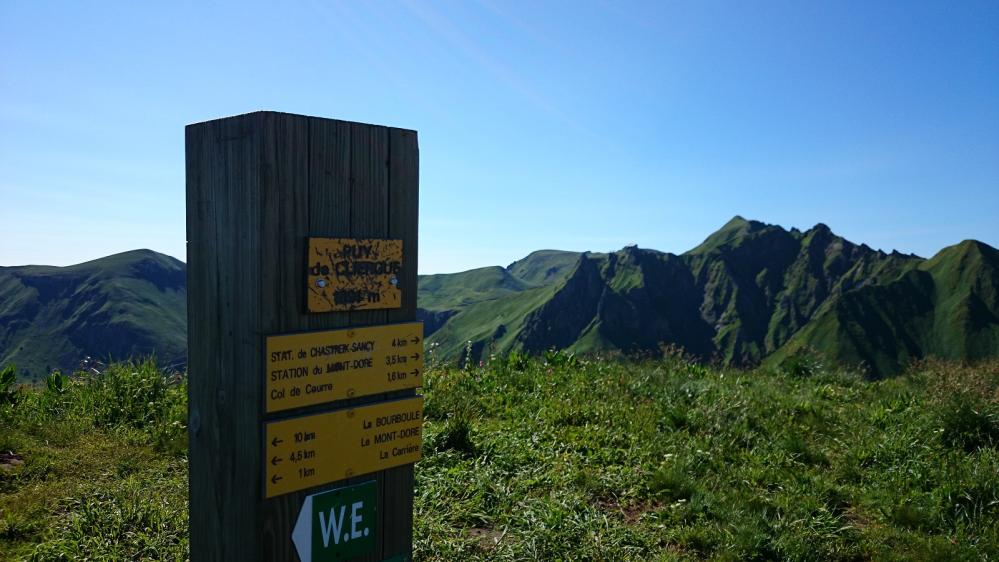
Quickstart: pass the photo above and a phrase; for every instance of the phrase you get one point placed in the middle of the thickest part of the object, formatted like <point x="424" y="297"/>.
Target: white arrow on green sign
<point x="337" y="524"/>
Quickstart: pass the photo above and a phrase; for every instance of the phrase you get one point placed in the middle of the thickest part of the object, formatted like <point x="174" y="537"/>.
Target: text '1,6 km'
<point x="317" y="367"/>
<point x="314" y="450"/>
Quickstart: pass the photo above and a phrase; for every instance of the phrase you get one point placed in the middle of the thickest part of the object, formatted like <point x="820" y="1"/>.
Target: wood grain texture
<point x="223" y="193"/>
<point x="285" y="174"/>
<point x="257" y="186"/>
<point x="404" y="189"/>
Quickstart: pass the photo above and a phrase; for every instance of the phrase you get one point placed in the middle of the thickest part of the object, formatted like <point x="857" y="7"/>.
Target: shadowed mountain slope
<point x="128" y="304"/>
<point x="751" y="291"/>
<point x="946" y="307"/>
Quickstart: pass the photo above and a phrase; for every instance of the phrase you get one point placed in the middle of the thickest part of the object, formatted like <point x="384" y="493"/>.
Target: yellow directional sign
<point x="313" y="450"/>
<point x="354" y="274"/>
<point x="316" y="367"/>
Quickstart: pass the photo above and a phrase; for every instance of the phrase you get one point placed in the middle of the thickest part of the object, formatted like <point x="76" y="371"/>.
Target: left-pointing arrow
<point x="275" y="478"/>
<point x="275" y="441"/>
<point x="302" y="534"/>
<point x="275" y="460"/>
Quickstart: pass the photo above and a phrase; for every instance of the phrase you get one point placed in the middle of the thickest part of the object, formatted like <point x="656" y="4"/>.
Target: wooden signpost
<point x="303" y="352"/>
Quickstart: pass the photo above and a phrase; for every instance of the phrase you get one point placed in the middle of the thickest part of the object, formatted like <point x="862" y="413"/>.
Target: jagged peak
<point x="586" y="266"/>
<point x="632" y="250"/>
<point x="963" y="258"/>
<point x="737" y="220"/>
<point x="975" y="245"/>
<point x="968" y="248"/>
<point x="820" y="234"/>
<point x="731" y="232"/>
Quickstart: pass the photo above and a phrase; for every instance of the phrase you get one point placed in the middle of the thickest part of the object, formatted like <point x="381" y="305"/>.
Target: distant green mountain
<point x="750" y="293"/>
<point x="543" y="267"/>
<point x="128" y="304"/>
<point x="946" y="307"/>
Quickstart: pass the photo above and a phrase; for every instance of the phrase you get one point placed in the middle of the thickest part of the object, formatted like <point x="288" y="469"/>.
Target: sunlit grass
<point x="560" y="458"/>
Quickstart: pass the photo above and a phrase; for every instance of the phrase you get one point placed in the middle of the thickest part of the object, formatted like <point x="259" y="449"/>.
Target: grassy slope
<point x="947" y="307"/>
<point x="449" y="291"/>
<point x="102" y="472"/>
<point x="456" y="291"/>
<point x="663" y="460"/>
<point x="50" y="317"/>
<point x="498" y="321"/>
<point x="543" y="267"/>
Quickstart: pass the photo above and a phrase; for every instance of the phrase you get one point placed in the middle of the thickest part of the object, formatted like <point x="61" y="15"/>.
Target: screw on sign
<point x="337" y="525"/>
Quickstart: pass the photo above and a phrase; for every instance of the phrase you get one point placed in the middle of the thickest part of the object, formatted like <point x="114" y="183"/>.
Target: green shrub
<point x="55" y="383"/>
<point x="802" y="364"/>
<point x="9" y="392"/>
<point x="517" y="361"/>
<point x="671" y="483"/>
<point x="456" y="435"/>
<point x="968" y="423"/>
<point x="560" y="358"/>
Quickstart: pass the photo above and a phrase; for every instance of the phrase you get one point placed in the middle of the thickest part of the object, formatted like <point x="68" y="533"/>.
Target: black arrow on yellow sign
<point x="275" y="478"/>
<point x="415" y="356"/>
<point x="414" y="372"/>
<point x="416" y="339"/>
<point x="275" y="441"/>
<point x="275" y="460"/>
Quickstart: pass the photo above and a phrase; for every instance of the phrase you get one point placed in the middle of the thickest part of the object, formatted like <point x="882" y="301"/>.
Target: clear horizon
<point x="542" y="125"/>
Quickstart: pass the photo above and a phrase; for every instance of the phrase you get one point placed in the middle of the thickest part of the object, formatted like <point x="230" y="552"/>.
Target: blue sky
<point x="570" y="125"/>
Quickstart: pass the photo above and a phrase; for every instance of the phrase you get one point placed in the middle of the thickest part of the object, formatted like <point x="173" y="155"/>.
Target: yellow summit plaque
<point x="313" y="450"/>
<point x="354" y="274"/>
<point x="317" y="367"/>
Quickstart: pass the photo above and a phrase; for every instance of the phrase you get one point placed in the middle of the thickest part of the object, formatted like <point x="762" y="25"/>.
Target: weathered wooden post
<point x="303" y="352"/>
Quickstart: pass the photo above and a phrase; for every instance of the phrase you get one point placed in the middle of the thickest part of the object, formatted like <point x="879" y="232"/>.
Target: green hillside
<point x="128" y="304"/>
<point x="442" y="296"/>
<point x="447" y="291"/>
<point x="751" y="292"/>
<point x="557" y="458"/>
<point x="947" y="307"/>
<point x="543" y="267"/>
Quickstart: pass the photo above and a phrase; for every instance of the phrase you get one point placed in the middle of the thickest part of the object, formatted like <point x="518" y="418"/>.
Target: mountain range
<point x="751" y="293"/>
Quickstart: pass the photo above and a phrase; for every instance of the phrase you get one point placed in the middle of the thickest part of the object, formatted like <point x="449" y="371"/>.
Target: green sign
<point x="338" y="524"/>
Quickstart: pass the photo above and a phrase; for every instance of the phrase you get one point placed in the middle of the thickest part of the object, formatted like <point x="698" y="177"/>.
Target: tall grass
<point x="96" y="467"/>
<point x="562" y="458"/>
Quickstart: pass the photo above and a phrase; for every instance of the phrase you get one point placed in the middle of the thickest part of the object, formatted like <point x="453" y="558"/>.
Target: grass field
<point x="565" y="459"/>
